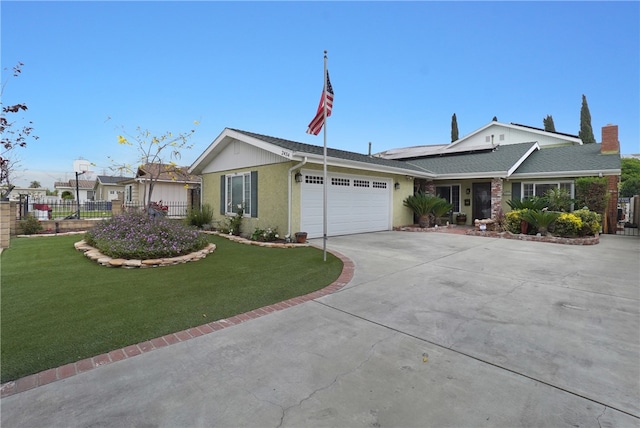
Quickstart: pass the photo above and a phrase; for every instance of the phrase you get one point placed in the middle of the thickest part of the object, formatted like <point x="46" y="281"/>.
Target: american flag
<point x="318" y="121"/>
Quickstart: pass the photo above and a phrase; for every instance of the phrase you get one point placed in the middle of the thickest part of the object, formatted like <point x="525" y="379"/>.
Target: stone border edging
<point x="59" y="373"/>
<point x="104" y="260"/>
<point x="246" y="241"/>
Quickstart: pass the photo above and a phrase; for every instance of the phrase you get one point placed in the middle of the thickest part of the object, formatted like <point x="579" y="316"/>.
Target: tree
<point x="34" y="184"/>
<point x="454" y="128"/>
<point x="549" y="126"/>
<point x="586" y="132"/>
<point x="630" y="177"/>
<point x="158" y="151"/>
<point x="12" y="135"/>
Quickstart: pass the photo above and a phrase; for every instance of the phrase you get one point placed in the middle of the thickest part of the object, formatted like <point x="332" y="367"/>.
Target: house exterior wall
<point x="272" y="196"/>
<point x="273" y="190"/>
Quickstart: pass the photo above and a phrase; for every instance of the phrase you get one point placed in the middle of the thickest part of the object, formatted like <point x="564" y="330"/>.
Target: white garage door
<point x="355" y="204"/>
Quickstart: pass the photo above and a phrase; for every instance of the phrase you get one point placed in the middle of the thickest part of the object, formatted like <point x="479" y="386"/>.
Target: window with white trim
<point x="450" y="193"/>
<point x="531" y="189"/>
<point x="238" y="193"/>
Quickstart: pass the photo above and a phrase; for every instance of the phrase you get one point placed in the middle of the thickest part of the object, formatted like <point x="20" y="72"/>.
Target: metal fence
<point x="70" y="209"/>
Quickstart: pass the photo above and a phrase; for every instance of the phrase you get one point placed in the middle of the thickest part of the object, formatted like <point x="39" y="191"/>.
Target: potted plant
<point x="461" y="218"/>
<point x="301" y="237"/>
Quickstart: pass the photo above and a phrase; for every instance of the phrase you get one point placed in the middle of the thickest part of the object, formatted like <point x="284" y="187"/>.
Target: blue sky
<point x="399" y="71"/>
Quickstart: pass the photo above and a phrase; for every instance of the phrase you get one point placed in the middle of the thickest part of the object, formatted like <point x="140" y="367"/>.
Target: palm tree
<point x="423" y="207"/>
<point x="541" y="220"/>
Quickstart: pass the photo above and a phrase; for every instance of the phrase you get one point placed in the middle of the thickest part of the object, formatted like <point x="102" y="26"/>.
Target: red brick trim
<point x="68" y="370"/>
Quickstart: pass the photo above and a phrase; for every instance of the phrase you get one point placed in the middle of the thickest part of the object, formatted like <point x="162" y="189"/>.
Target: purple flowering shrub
<point x="138" y="236"/>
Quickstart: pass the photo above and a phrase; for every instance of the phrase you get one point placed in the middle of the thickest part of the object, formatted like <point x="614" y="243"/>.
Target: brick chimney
<point x="610" y="143"/>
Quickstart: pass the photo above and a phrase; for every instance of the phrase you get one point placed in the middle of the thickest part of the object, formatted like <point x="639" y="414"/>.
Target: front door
<point x="481" y="200"/>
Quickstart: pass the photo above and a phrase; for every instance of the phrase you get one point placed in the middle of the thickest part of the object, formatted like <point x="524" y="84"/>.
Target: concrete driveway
<point x="434" y="330"/>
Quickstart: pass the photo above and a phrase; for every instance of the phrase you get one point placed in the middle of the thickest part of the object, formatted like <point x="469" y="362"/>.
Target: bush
<point x="30" y="225"/>
<point x="559" y="200"/>
<point x="138" y="236"/>
<point x="591" y="192"/>
<point x="265" y="235"/>
<point x="590" y="222"/>
<point x="200" y="216"/>
<point x="513" y="219"/>
<point x="567" y="224"/>
<point x="235" y="222"/>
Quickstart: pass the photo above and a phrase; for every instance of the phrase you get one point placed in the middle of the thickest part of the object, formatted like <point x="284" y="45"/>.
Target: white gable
<point x="238" y="154"/>
<point x="503" y="134"/>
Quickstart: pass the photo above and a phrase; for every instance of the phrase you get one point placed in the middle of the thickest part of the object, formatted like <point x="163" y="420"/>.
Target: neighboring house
<point x="174" y="186"/>
<point x="33" y="193"/>
<point x="280" y="182"/>
<point x="84" y="187"/>
<point x="107" y="187"/>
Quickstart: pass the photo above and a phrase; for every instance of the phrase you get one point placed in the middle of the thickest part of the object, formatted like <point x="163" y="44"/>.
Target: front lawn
<point x="58" y="307"/>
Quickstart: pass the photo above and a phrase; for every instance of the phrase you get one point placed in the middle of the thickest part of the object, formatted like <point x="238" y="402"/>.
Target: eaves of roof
<point x="294" y="150"/>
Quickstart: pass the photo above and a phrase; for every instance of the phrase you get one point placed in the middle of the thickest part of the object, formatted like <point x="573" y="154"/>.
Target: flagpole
<point x="324" y="169"/>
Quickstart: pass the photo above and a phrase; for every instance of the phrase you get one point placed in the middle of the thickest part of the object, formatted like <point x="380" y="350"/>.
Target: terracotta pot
<point x="523" y="226"/>
<point x="301" y="237"/>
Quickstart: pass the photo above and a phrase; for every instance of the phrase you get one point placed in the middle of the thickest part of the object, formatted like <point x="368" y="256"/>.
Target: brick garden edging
<point x="587" y="240"/>
<point x="52" y="375"/>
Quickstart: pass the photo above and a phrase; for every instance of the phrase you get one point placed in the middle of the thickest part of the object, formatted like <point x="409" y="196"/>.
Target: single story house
<point x="68" y="188"/>
<point x="107" y="187"/>
<point x="174" y="186"/>
<point x="280" y="182"/>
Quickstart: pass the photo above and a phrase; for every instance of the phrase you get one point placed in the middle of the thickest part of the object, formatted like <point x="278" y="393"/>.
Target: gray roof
<point x="586" y="157"/>
<point x="333" y="153"/>
<point x="500" y="159"/>
<point x="110" y="179"/>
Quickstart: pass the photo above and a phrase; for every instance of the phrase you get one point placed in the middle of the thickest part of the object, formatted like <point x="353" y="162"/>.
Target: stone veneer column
<point x="430" y="187"/>
<point x="612" y="206"/>
<point x="496" y="196"/>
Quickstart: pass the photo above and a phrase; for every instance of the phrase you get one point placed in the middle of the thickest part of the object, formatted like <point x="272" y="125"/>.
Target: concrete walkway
<point x="433" y="330"/>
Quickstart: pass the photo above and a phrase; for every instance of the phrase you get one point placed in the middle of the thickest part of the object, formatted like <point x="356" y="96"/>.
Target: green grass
<point x="57" y="306"/>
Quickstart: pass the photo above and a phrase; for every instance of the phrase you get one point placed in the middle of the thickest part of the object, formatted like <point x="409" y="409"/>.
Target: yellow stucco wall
<point x="272" y="196"/>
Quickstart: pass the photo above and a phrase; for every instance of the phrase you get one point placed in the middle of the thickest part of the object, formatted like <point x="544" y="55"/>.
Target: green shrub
<point x="514" y="218"/>
<point x="200" y="217"/>
<point x="590" y="222"/>
<point x="235" y="222"/>
<point x="591" y="192"/>
<point x="567" y="224"/>
<point x="30" y="225"/>
<point x="534" y="203"/>
<point x="265" y="235"/>
<point x="558" y="200"/>
<point x="139" y="236"/>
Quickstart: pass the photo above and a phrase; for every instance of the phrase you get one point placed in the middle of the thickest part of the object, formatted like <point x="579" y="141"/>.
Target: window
<point x="379" y="185"/>
<point x="238" y="193"/>
<point x="340" y="182"/>
<point x="451" y="194"/>
<point x="360" y="183"/>
<point x="239" y="189"/>
<point x="530" y="190"/>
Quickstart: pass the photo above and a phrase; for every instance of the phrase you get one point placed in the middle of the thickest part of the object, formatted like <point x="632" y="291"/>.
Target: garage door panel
<point x="355" y="204"/>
